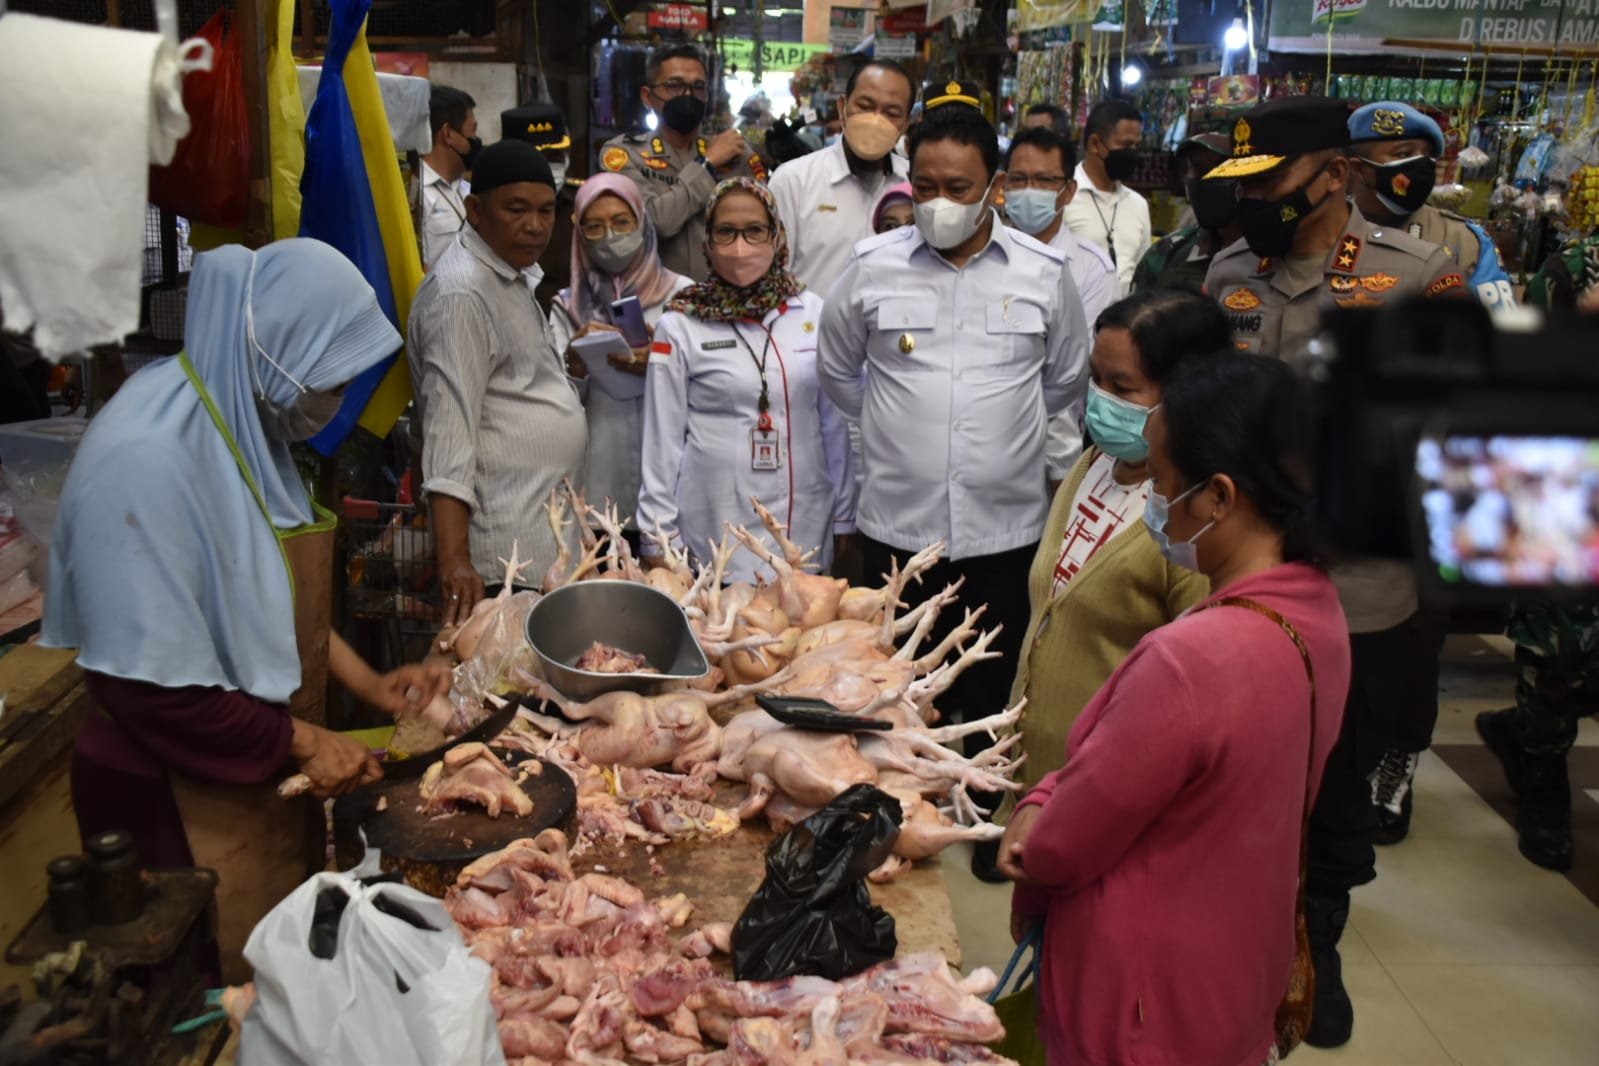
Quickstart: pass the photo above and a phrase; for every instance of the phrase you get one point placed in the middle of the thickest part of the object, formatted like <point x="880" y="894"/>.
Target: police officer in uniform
<point x="1182" y="258"/>
<point x="543" y="125"/>
<point x="1305" y="246"/>
<point x="676" y="168"/>
<point x="1396" y="150"/>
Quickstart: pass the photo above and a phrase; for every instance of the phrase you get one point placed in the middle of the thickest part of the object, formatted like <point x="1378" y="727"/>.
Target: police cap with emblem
<point x="1275" y="132"/>
<point x="942" y="93"/>
<point x="539" y="123"/>
<point x="1394" y="121"/>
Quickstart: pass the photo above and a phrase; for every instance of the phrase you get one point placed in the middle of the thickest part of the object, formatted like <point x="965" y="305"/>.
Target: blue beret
<point x="1394" y="121"/>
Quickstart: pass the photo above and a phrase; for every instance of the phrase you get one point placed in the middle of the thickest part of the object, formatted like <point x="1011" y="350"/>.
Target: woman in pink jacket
<point x="1164" y="857"/>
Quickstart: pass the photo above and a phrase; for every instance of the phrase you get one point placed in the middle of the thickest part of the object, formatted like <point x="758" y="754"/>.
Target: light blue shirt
<point x="952" y="373"/>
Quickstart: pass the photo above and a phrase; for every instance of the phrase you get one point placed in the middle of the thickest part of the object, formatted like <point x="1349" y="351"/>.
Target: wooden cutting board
<point x="431" y="850"/>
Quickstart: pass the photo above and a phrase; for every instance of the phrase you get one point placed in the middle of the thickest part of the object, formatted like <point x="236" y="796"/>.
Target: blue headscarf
<point x="162" y="567"/>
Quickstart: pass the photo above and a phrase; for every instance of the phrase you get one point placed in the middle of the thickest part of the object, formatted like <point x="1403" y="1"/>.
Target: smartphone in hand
<point x="628" y="316"/>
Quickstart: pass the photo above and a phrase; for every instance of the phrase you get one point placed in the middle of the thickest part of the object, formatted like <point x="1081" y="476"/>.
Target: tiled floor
<point x="1461" y="951"/>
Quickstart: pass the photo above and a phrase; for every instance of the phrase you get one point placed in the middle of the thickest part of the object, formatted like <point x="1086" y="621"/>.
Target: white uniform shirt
<point x="443" y="213"/>
<point x="1097" y="287"/>
<point x="1106" y="218"/>
<point x="826" y="209"/>
<point x="700" y="410"/>
<point x="952" y="373"/>
<point x="616" y="427"/>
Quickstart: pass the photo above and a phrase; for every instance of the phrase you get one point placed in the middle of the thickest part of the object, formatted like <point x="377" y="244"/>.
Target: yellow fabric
<point x="394" y="222"/>
<point x="285" y="123"/>
<point x="1123" y="592"/>
<point x="1246" y="166"/>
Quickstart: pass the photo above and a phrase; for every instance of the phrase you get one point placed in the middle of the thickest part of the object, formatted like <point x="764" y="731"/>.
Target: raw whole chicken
<point x="627" y="729"/>
<point x="472" y="774"/>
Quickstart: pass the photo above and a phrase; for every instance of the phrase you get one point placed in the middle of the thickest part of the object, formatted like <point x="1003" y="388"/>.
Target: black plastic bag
<point x="813" y="914"/>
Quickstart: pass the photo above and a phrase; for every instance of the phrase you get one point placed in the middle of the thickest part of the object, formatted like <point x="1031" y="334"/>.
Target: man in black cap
<point x="1306" y="247"/>
<point x="1183" y="256"/>
<point x="543" y="125"/>
<point x="501" y="424"/>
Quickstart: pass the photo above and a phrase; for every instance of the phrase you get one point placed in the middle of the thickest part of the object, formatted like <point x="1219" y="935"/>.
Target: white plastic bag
<point x="392" y="994"/>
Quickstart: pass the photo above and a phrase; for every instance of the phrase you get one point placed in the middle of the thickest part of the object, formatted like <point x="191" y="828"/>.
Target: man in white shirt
<point x="1109" y="213"/>
<point x="455" y="148"/>
<point x="952" y="343"/>
<point x="826" y="198"/>
<point x="1038" y="187"/>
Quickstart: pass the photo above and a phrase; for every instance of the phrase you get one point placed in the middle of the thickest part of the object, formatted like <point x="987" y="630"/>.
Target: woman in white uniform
<point x="614" y="256"/>
<point x="732" y="405"/>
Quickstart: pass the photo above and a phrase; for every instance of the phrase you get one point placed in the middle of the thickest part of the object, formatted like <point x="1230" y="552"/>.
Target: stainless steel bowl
<point x="623" y="614"/>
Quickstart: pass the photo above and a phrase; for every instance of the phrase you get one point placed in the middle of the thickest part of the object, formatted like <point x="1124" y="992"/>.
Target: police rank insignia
<point x="1378" y="282"/>
<point x="1348" y="253"/>
<point x="1241" y="145"/>
<point x="1240" y="300"/>
<point x="1386" y="122"/>
<point x="655" y="162"/>
<point x="614" y="158"/>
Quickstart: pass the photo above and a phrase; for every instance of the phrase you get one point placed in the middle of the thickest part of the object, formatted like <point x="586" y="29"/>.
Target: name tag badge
<point x="711" y="346"/>
<point x="764" y="451"/>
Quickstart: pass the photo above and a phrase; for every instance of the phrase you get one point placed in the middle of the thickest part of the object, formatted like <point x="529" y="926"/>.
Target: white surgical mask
<point x="309" y="413"/>
<point x="945" y="224"/>
<point x="1031" y="210"/>
<point x="1156" y="512"/>
<point x="615" y="252"/>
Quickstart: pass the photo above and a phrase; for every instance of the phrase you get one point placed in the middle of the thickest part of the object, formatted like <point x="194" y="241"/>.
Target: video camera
<point x="1469" y="447"/>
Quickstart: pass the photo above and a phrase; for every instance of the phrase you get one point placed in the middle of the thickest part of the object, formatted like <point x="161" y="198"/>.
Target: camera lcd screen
<point x="1511" y="511"/>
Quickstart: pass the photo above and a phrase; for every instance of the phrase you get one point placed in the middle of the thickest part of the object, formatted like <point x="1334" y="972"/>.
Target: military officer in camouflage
<point x="1305" y="246"/>
<point x="1396" y="151"/>
<point x="675" y="167"/>
<point x="1182" y="257"/>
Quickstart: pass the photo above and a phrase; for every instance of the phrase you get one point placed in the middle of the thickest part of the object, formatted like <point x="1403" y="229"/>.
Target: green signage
<point x="776" y="56"/>
<point x="1297" y="25"/>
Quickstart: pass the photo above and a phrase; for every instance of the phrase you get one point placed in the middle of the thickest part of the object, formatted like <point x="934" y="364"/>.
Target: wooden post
<point x="249" y="19"/>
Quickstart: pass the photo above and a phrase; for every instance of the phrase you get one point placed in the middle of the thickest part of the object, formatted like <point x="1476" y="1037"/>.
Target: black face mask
<point x="683" y="113"/>
<point x="474" y="148"/>
<point x="1269" y="225"/>
<point x="1121" y="163"/>
<point x="1403" y="187"/>
<point x="1215" y="202"/>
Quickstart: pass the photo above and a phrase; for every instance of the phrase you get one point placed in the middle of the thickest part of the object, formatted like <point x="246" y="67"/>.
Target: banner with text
<point x="1364" y="25"/>
<point x="776" y="56"/>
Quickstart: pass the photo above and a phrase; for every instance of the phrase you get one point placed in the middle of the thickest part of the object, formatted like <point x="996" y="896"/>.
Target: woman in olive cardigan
<point x="1098" y="583"/>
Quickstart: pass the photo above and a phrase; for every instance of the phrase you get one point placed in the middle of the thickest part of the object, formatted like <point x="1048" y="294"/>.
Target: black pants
<point x="1393" y="705"/>
<point x="1000" y="581"/>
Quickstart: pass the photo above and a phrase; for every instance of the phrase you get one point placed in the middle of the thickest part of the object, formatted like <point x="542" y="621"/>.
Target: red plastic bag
<point x="208" y="179"/>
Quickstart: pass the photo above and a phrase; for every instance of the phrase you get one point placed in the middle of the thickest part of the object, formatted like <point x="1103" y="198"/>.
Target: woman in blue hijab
<point x="170" y="568"/>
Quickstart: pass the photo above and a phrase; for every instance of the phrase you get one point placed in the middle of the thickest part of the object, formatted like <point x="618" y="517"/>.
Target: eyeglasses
<point x="755" y="233"/>
<point x="618" y="227"/>
<point x="668" y="90"/>
<point x="1047" y="182"/>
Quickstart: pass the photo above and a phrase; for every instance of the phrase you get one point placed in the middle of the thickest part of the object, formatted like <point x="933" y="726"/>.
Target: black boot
<point x="1542" y="790"/>
<point x="1543" y="818"/>
<point x="1333" y="1018"/>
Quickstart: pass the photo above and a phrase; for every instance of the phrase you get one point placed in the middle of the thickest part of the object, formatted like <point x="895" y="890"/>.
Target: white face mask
<point x="559" y="170"/>
<point x="945" y="224"/>
<point x="309" y="413"/>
